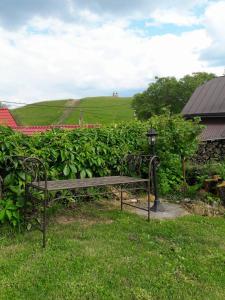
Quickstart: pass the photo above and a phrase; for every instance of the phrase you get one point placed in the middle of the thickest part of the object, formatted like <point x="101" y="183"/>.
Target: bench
<point x="37" y="182"/>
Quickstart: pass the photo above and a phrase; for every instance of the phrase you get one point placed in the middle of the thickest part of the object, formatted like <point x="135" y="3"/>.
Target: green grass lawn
<point x="101" y="110"/>
<point x="103" y="253"/>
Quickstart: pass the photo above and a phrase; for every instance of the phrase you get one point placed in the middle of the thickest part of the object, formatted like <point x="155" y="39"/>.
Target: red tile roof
<point x="30" y="130"/>
<point x="7" y="119"/>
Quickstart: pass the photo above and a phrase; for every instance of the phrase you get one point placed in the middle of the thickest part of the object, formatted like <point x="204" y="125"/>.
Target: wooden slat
<point x="71" y="184"/>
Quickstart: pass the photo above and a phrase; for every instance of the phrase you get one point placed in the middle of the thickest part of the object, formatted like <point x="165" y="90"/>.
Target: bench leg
<point x="148" y="189"/>
<point x="44" y="219"/>
<point x="26" y="199"/>
<point x="121" y="198"/>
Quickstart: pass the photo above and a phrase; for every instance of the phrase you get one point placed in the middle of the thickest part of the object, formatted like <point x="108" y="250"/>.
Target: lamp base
<point x="157" y="207"/>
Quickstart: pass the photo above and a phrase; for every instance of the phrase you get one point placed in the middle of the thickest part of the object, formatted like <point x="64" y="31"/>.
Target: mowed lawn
<point x="98" y="252"/>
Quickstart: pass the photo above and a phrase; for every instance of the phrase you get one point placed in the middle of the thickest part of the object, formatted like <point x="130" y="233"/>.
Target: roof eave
<point x="208" y="115"/>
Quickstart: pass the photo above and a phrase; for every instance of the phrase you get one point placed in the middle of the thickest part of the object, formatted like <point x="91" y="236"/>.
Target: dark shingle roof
<point x="208" y="99"/>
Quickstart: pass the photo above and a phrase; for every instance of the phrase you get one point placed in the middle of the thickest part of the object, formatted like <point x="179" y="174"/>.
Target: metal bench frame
<point x="37" y="180"/>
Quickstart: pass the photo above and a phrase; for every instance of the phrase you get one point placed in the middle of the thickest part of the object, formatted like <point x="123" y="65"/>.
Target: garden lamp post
<point x="157" y="206"/>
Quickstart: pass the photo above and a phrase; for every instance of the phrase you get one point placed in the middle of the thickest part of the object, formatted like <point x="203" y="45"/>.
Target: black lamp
<point x="152" y="135"/>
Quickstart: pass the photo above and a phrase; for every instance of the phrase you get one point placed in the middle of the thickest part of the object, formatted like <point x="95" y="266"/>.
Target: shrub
<point x="197" y="173"/>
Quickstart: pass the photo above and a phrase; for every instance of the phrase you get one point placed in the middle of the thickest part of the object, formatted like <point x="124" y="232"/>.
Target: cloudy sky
<point x="55" y="49"/>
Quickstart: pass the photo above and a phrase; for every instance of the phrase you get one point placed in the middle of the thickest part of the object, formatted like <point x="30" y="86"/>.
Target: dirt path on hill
<point x="68" y="110"/>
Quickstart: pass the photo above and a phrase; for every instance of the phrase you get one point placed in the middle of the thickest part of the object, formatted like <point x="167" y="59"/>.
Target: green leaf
<point x="16" y="189"/>
<point x="89" y="173"/>
<point x="14" y="222"/>
<point x="2" y="215"/>
<point x="66" y="170"/>
<point x="22" y="175"/>
<point x="29" y="225"/>
<point x="8" y="179"/>
<point x="82" y="174"/>
<point x="73" y="168"/>
<point x="9" y="214"/>
<point x="63" y="156"/>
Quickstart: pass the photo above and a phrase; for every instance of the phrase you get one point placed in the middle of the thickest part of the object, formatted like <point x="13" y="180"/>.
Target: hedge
<point x="94" y="152"/>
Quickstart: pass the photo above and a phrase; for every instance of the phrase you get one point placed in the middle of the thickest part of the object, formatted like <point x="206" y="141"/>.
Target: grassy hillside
<point x="102" y="110"/>
<point x="41" y="113"/>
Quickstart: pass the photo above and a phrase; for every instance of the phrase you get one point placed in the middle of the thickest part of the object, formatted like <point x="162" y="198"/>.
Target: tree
<point x="177" y="141"/>
<point x="169" y="93"/>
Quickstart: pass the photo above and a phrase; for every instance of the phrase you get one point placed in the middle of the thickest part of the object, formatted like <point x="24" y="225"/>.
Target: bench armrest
<point x="34" y="168"/>
<point x="139" y="165"/>
<point x="1" y="187"/>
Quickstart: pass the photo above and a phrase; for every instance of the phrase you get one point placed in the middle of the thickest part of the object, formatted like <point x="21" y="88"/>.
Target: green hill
<point x="101" y="110"/>
<point x="41" y="113"/>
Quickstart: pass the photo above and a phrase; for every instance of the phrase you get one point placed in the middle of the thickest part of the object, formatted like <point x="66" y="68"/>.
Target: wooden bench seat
<point x="70" y="184"/>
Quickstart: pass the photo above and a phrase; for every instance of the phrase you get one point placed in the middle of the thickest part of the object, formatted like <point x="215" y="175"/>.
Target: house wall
<point x="212" y="149"/>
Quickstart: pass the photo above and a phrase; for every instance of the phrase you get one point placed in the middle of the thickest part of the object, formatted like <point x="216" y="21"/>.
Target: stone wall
<point x="210" y="150"/>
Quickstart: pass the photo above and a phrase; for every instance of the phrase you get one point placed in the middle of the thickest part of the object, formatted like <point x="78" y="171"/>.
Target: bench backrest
<point x="135" y="165"/>
<point x="140" y="165"/>
<point x="34" y="168"/>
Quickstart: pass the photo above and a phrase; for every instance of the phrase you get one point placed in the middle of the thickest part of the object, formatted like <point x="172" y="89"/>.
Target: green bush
<point x="177" y="141"/>
<point x="97" y="152"/>
<point x="197" y="173"/>
<point x="9" y="212"/>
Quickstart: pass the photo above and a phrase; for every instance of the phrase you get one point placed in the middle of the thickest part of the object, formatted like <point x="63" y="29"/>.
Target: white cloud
<point x="73" y="60"/>
<point x="49" y="58"/>
<point x="214" y="18"/>
<point x="14" y="15"/>
<point x="214" y="23"/>
<point x="173" y="16"/>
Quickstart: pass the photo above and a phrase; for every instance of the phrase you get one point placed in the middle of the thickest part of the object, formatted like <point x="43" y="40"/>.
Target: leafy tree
<point x="177" y="142"/>
<point x="168" y="92"/>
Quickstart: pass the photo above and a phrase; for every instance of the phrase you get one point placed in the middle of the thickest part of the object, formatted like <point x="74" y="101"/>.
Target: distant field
<point x="102" y="110"/>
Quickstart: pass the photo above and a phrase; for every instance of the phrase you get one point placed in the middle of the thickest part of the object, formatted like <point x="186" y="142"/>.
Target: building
<point x="7" y="119"/>
<point x="208" y="102"/>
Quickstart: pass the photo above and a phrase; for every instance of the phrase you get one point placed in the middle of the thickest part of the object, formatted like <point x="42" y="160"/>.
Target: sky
<point x="60" y="49"/>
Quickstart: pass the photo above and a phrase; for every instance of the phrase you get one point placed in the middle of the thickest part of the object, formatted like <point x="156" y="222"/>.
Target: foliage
<point x="197" y="173"/>
<point x="9" y="212"/>
<point x="177" y="139"/>
<point x="97" y="152"/>
<point x="167" y="92"/>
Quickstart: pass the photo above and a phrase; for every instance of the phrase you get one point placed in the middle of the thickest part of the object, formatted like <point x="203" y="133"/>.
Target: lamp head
<point x="152" y="134"/>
